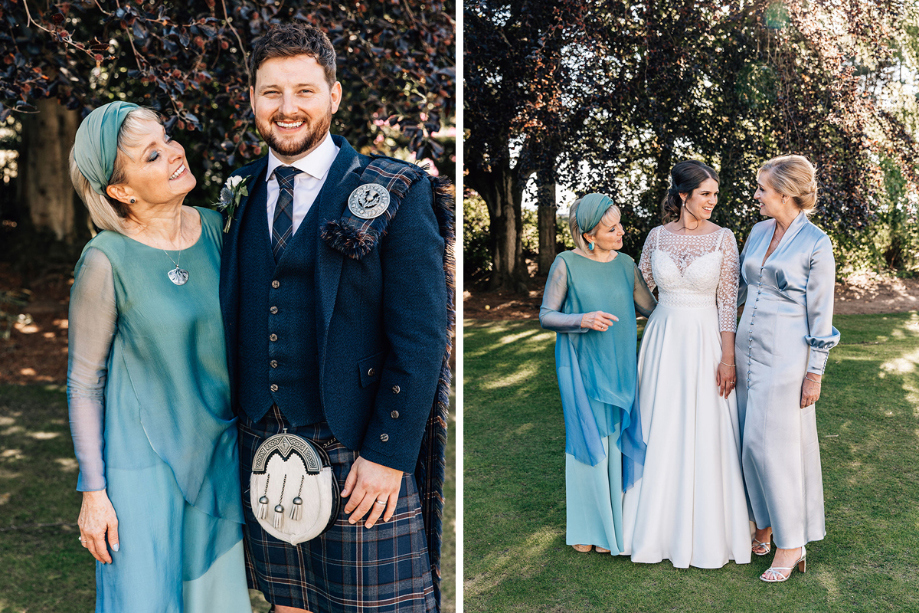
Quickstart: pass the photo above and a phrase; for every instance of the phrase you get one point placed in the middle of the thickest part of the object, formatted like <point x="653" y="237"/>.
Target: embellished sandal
<point x="772" y="574"/>
<point x="760" y="548"/>
<point x="582" y="548"/>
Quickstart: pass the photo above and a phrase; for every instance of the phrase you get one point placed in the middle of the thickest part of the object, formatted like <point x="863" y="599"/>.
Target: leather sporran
<point x="294" y="495"/>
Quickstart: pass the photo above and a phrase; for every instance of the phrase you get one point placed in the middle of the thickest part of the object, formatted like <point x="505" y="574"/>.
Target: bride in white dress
<point x="689" y="506"/>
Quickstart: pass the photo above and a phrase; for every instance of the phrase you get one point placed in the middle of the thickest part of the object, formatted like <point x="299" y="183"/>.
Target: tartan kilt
<point x="348" y="568"/>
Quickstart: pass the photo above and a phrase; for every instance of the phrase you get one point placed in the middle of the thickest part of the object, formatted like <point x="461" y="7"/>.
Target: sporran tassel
<point x="262" y="509"/>
<point x="297" y="509"/>
<point x="279" y="510"/>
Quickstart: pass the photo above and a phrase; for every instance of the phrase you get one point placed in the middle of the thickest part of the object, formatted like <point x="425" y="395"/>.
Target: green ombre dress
<point x="597" y="379"/>
<point x="150" y="414"/>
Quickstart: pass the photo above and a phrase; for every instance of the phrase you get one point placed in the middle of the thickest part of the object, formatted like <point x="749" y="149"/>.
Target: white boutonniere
<point x="231" y="193"/>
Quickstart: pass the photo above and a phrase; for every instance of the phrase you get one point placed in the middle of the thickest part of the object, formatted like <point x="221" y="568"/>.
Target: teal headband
<point x="590" y="211"/>
<point x="96" y="144"/>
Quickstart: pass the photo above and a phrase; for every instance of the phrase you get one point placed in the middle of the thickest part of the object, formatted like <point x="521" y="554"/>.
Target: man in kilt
<point x="338" y="330"/>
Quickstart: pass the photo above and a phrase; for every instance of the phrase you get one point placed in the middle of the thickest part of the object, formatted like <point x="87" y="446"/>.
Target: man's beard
<point x="293" y="148"/>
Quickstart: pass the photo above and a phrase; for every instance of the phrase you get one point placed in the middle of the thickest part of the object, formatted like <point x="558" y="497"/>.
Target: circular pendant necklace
<point x="176" y="275"/>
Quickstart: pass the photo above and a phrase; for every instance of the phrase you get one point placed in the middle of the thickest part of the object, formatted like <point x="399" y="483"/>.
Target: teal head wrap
<point x="590" y="211"/>
<point x="96" y="145"/>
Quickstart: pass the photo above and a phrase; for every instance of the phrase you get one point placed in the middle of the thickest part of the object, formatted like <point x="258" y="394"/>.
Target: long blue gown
<point x="597" y="375"/>
<point x="150" y="414"/>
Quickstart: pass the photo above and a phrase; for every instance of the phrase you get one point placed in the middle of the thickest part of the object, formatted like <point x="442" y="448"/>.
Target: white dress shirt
<point x="314" y="169"/>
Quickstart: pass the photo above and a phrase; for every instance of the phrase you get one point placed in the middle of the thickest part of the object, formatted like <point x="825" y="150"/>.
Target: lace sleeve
<point x="92" y="322"/>
<point x="644" y="264"/>
<point x="553" y="300"/>
<point x="726" y="296"/>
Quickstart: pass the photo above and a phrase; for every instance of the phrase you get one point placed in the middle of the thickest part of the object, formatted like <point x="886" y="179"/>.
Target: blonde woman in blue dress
<point x="590" y="300"/>
<point x="689" y="507"/>
<point x="788" y="275"/>
<point x="147" y="381"/>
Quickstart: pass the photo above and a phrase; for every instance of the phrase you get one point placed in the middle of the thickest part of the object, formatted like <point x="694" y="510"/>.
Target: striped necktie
<point x="283" y="227"/>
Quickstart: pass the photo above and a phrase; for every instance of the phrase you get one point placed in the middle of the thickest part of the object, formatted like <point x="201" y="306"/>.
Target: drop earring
<point x="590" y="246"/>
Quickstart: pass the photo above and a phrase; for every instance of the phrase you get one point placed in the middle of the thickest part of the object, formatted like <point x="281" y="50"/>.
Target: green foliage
<point x="188" y="59"/>
<point x="515" y="554"/>
<point x="611" y="95"/>
<point x="476" y="256"/>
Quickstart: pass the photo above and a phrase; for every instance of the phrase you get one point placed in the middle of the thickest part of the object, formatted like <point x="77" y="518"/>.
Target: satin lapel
<point x="799" y="222"/>
<point x="229" y="271"/>
<point x="344" y="176"/>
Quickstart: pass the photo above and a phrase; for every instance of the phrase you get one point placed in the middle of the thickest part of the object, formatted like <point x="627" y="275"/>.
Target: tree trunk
<point x="47" y="137"/>
<point x="545" y="219"/>
<point x="502" y="191"/>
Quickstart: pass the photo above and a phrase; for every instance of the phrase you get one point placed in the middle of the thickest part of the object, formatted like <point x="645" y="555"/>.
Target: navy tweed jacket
<point x="382" y="320"/>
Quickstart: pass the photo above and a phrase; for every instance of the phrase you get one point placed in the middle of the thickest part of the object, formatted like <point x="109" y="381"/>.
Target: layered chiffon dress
<point x="150" y="415"/>
<point x="597" y="382"/>
<point x="689" y="507"/>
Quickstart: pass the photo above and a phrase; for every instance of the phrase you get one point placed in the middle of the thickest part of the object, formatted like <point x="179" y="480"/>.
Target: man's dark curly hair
<point x="289" y="40"/>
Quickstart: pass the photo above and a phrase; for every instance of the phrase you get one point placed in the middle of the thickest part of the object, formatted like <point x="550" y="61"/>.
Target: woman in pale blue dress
<point x="590" y="301"/>
<point x="147" y="382"/>
<point x="783" y="342"/>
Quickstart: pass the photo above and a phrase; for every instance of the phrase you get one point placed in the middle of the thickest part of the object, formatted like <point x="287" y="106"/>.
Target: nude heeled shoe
<point x="772" y="574"/>
<point x="582" y="548"/>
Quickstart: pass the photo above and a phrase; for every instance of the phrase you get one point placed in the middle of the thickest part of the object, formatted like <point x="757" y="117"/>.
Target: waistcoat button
<point x="274" y="387"/>
<point x="394" y="414"/>
<point x="273" y="363"/>
<point x="371" y="372"/>
<point x="396" y="389"/>
<point x="273" y="310"/>
<point x="273" y="337"/>
<point x="384" y="437"/>
<point x="275" y="284"/>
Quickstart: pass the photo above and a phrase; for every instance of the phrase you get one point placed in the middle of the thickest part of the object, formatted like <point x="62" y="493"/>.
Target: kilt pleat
<point x="348" y="568"/>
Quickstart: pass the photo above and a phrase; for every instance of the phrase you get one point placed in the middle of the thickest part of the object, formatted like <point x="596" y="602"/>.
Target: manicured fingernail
<point x="115" y="547"/>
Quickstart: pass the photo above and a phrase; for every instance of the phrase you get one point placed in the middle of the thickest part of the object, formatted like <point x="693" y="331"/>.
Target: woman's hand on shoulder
<point x="598" y="320"/>
<point x="97" y="518"/>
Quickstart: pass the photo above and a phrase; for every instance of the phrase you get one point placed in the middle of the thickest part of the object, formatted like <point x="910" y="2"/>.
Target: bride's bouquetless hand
<point x="725" y="379"/>
<point x="598" y="320"/>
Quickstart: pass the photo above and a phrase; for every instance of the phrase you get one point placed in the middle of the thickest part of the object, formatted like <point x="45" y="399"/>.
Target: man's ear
<point x="335" y="94"/>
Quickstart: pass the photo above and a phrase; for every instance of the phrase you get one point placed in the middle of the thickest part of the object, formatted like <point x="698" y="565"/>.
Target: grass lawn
<point x="514" y="486"/>
<point x="43" y="567"/>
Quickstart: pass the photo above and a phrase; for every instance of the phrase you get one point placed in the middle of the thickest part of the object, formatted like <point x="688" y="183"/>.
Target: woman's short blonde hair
<point x="576" y="233"/>
<point x="793" y="176"/>
<point x="106" y="212"/>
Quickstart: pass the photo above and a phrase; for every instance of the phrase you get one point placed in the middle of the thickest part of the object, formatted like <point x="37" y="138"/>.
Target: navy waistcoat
<point x="278" y="347"/>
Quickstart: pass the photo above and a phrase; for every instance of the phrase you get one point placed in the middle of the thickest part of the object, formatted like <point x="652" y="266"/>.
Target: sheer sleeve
<point x="553" y="299"/>
<point x="644" y="299"/>
<point x="92" y="323"/>
<point x="644" y="264"/>
<point x="821" y="282"/>
<point x="726" y="296"/>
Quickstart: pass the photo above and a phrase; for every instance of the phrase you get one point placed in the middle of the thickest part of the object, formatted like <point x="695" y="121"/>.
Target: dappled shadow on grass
<point x="515" y="552"/>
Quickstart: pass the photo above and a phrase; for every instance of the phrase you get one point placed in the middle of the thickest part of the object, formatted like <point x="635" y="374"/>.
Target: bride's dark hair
<point x="684" y="178"/>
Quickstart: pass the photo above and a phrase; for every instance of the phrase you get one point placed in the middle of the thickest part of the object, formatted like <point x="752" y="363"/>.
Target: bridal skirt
<point x="689" y="506"/>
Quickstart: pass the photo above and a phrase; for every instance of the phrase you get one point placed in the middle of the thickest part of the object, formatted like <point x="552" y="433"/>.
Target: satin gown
<point x="689" y="507"/>
<point x="150" y="413"/>
<point x="786" y="330"/>
<point x="597" y="376"/>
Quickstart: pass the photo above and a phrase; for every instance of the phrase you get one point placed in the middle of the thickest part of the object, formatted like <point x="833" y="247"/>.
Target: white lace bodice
<point x="694" y="271"/>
